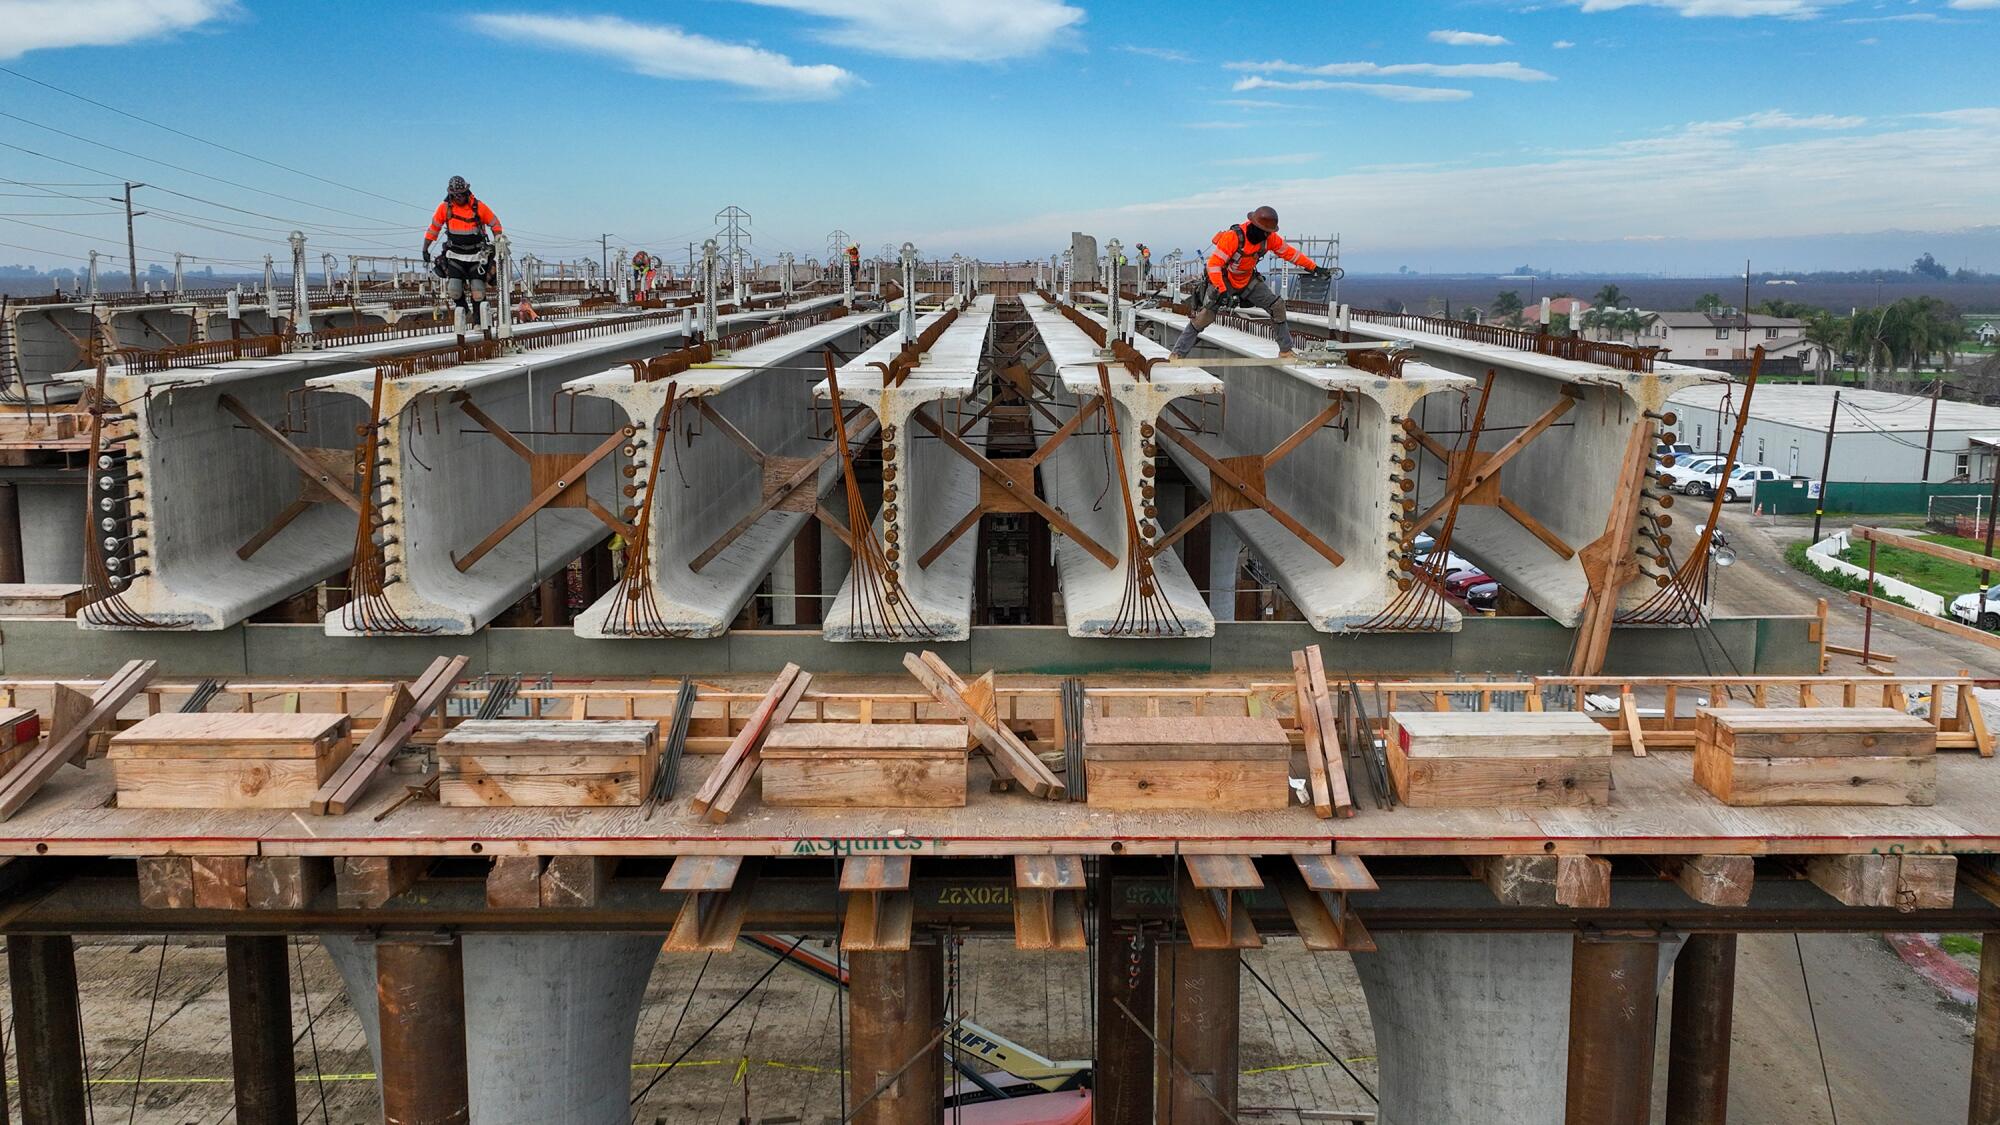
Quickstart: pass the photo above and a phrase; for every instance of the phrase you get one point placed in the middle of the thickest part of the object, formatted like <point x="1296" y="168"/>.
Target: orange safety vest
<point x="464" y="223"/>
<point x="1236" y="257"/>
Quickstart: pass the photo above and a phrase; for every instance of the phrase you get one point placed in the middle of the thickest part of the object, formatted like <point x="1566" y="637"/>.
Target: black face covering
<point x="1255" y="232"/>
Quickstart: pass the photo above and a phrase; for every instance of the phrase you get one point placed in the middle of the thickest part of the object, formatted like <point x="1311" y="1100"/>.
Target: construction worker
<point x="854" y="261"/>
<point x="468" y="249"/>
<point x="642" y="262"/>
<point x="1145" y="265"/>
<point x="1233" y="278"/>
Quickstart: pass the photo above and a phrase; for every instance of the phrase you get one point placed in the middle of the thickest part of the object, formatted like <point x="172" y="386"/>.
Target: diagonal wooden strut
<point x="777" y="492"/>
<point x="569" y="475"/>
<point x="314" y="469"/>
<point x="1607" y="562"/>
<point x="1489" y="466"/>
<point x="1231" y="473"/>
<point x="1007" y="483"/>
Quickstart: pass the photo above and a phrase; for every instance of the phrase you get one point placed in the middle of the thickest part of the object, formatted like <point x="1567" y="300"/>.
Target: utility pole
<point x="1930" y="431"/>
<point x="1986" y="576"/>
<point x="604" y="253"/>
<point x="1825" y="463"/>
<point x="736" y="228"/>
<point x="131" y="243"/>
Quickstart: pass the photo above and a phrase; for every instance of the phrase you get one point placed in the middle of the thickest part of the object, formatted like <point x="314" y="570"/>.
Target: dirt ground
<point x="1829" y="1028"/>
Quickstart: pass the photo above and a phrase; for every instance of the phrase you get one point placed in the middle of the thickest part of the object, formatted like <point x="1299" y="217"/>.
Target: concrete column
<point x="1225" y="549"/>
<point x="1468" y="1027"/>
<point x="1613" y="1004"/>
<point x="1698" y="1051"/>
<point x="1195" y="1016"/>
<point x="805" y="574"/>
<point x="48" y="1038"/>
<point x="1122" y="1073"/>
<point x="260" y="1030"/>
<point x="1986" y="1037"/>
<point x="895" y="1008"/>
<point x="420" y="1009"/>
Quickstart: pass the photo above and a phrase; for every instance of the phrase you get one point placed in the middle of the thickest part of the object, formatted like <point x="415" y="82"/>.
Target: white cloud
<point x="1255" y="103"/>
<point x="1273" y="158"/>
<point x="1729" y="9"/>
<point x="1974" y="5"/>
<point x="1217" y="125"/>
<point x="659" y="51"/>
<point x="1779" y="119"/>
<point x="952" y="30"/>
<point x="1467" y="39"/>
<point x="1504" y="71"/>
<point x="1384" y="90"/>
<point x="1752" y="184"/>
<point x="1562" y="44"/>
<point x="1164" y="54"/>
<point x="37" y="25"/>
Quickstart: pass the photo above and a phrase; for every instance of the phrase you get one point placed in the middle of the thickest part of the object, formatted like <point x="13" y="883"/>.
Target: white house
<point x="1691" y="337"/>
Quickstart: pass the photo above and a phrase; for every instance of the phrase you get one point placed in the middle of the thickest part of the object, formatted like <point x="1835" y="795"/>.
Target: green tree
<point x="1790" y="310"/>
<point x="1708" y="303"/>
<point x="1507" y="306"/>
<point x="1930" y="267"/>
<point x="1610" y="297"/>
<point x="1827" y="333"/>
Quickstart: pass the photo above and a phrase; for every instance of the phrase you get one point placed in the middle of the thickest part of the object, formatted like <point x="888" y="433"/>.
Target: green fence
<point x="1794" y="497"/>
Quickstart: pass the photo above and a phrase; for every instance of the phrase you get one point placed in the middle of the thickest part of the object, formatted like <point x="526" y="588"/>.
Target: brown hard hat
<point x="1266" y="217"/>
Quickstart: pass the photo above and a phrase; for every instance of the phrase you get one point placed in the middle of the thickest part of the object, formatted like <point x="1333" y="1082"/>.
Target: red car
<point x="1458" y="583"/>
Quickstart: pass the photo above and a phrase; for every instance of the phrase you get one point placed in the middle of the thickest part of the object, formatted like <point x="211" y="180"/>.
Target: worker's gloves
<point x="1319" y="273"/>
<point x="427" y="254"/>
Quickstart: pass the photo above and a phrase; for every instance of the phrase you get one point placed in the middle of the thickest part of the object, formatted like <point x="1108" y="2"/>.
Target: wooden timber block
<point x="38" y="599"/>
<point x="287" y="882"/>
<point x="1545" y="880"/>
<point x="515" y="881"/>
<point x="1856" y="880"/>
<point x="366" y="882"/>
<point x="221" y="882"/>
<point x="1714" y="880"/>
<point x="166" y="882"/>
<point x="1815" y="756"/>
<point x="1224" y="763"/>
<point x="865" y="765"/>
<point x="232" y="760"/>
<point x="1488" y="759"/>
<point x="576" y="880"/>
<point x="1926" y="882"/>
<point x="556" y="763"/>
<point x="20" y="730"/>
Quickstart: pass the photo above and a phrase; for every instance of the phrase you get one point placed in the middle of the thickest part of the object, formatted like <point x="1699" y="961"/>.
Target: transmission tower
<point x="735" y="234"/>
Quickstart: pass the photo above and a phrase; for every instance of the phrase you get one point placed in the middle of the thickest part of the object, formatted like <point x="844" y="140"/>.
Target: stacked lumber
<point x="1225" y="763"/>
<point x="726" y="784"/>
<point x="238" y="760"/>
<point x="553" y="763"/>
<point x="70" y="730"/>
<point x="38" y="599"/>
<point x="1489" y="759"/>
<point x="974" y="706"/>
<point x="865" y="765"/>
<point x="406" y="709"/>
<point x="20" y="728"/>
<point x="1816" y="756"/>
<point x="1326" y="771"/>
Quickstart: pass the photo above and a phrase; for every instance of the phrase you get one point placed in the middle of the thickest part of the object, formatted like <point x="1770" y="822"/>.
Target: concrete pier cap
<point x="934" y="486"/>
<point x="712" y="492"/>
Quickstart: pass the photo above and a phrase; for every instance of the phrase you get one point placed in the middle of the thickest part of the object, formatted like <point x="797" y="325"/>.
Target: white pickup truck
<point x="1977" y="608"/>
<point x="1741" y="483"/>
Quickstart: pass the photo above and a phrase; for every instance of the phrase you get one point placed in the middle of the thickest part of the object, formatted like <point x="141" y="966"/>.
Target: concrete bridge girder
<point x="934" y="485"/>
<point x="1339" y="483"/>
<point x="1566" y="479"/>
<point x="1078" y="473"/>
<point x="710" y="484"/>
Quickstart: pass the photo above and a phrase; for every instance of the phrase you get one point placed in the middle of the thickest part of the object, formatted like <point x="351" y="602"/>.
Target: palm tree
<point x="1610" y="297"/>
<point x="1827" y="334"/>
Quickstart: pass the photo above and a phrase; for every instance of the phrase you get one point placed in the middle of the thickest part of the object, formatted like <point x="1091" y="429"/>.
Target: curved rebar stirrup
<point x="368" y="609"/>
<point x="635" y="611"/>
<point x="1143" y="610"/>
<point x="879" y="608"/>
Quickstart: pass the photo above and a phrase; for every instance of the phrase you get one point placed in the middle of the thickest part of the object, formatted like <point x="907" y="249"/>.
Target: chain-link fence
<point x="1964" y="516"/>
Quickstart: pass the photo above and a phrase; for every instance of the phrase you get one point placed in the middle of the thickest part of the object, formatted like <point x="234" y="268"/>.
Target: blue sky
<point x="1599" y="134"/>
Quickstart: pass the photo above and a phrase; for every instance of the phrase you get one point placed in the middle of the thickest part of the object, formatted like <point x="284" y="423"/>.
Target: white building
<point x="1878" y="436"/>
<point x="1691" y="337"/>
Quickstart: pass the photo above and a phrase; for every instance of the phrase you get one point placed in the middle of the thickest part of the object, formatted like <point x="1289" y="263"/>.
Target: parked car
<point x="1684" y="475"/>
<point x="1977" y="608"/>
<point x="1483" y="595"/>
<point x="1739" y="486"/>
<point x="1457" y="584"/>
<point x="1677" y="451"/>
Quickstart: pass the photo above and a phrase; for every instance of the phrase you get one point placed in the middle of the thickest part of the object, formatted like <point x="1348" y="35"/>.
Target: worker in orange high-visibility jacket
<point x="1233" y="278"/>
<point x="468" y="250"/>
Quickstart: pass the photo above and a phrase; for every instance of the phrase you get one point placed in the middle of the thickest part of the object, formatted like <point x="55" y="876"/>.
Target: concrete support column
<point x="1613" y="1004"/>
<point x="1468" y="1027"/>
<point x="1197" y="1000"/>
<point x="1986" y="1037"/>
<point x="260" y="1030"/>
<point x="805" y="574"/>
<point x="1122" y="1072"/>
<point x="48" y="1037"/>
<point x="895" y="1008"/>
<point x="1698" y="1052"/>
<point x="420" y="1004"/>
<point x="1224" y="551"/>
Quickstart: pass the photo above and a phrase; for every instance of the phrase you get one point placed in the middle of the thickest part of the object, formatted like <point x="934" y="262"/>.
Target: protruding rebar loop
<point x="879" y="609"/>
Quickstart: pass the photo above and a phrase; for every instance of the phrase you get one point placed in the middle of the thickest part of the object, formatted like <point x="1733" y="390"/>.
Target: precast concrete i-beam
<point x="933" y="486"/>
<point x="1081" y="482"/>
<point x="50" y="338"/>
<point x="711" y="488"/>
<point x="463" y="451"/>
<point x="212" y="496"/>
<point x="1342" y="483"/>
<point x="1565" y="479"/>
